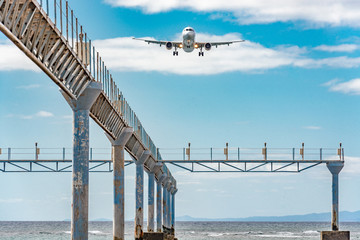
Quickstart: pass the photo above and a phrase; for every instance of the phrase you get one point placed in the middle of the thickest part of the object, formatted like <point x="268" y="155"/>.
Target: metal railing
<point x="79" y="41"/>
<point x="187" y="154"/>
<point x="253" y="154"/>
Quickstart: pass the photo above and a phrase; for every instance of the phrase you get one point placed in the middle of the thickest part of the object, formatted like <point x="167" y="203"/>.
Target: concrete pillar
<point x="118" y="158"/>
<point x="168" y="210"/>
<point x="335" y="168"/>
<point x="80" y="174"/>
<point x="139" y="195"/>
<point x="158" y="207"/>
<point x="164" y="207"/>
<point x="139" y="214"/>
<point x="173" y="210"/>
<point x="151" y="190"/>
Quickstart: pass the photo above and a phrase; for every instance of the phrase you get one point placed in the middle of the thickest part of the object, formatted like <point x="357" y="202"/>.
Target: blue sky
<point x="294" y="80"/>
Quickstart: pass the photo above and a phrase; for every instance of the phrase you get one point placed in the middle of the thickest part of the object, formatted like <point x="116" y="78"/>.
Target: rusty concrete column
<point x="164" y="207"/>
<point x="173" y="208"/>
<point x="118" y="159"/>
<point x="158" y="206"/>
<point x="335" y="168"/>
<point x="168" y="210"/>
<point x="80" y="173"/>
<point x="139" y="195"/>
<point x="151" y="190"/>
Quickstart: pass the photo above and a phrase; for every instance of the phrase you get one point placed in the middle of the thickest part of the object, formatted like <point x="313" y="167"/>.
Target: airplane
<point x="188" y="44"/>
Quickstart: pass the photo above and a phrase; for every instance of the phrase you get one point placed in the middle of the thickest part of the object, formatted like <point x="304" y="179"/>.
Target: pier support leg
<point x="335" y="169"/>
<point x="168" y="212"/>
<point x="139" y="214"/>
<point x="139" y="195"/>
<point x="164" y="207"/>
<point x="335" y="234"/>
<point x="118" y="158"/>
<point x="80" y="174"/>
<point x="158" y="207"/>
<point x="173" y="210"/>
<point x="150" y="226"/>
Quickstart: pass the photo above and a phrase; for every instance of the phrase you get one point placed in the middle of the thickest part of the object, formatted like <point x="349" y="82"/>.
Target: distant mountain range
<point x="345" y="216"/>
<point x="313" y="217"/>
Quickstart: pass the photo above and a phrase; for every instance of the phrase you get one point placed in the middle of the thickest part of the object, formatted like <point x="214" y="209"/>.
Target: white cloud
<point x="319" y="12"/>
<point x="338" y="48"/>
<point x="11" y="58"/>
<point x="44" y="114"/>
<point x="351" y="87"/>
<point x="40" y="114"/>
<point x="335" y="62"/>
<point x="312" y="127"/>
<point x="27" y="87"/>
<point x="11" y="200"/>
<point x="126" y="54"/>
<point x="352" y="165"/>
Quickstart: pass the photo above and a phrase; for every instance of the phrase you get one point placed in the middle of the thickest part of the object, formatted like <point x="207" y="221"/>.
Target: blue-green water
<point x="184" y="230"/>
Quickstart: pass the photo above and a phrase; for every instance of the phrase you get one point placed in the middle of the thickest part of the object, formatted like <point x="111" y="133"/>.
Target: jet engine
<point x="207" y="46"/>
<point x="169" y="45"/>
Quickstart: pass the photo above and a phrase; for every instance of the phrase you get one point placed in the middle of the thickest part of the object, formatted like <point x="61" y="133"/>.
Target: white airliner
<point x="188" y="44"/>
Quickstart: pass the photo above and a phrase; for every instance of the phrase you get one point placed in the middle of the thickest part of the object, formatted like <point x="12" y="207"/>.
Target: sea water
<point x="184" y="230"/>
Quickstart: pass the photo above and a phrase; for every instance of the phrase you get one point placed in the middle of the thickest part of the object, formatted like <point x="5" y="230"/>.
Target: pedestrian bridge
<point x="50" y="34"/>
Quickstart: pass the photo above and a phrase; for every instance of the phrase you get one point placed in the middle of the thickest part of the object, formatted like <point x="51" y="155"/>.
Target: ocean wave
<point x="311" y="232"/>
<point x="99" y="233"/>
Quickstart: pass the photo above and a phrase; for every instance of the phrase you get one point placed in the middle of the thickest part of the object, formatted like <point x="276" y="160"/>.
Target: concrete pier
<point x="168" y="205"/>
<point x="118" y="158"/>
<point x="151" y="190"/>
<point x="335" y="169"/>
<point x="335" y="234"/>
<point x="164" y="207"/>
<point x="139" y="195"/>
<point x="80" y="174"/>
<point x="173" y="209"/>
<point x="158" y="206"/>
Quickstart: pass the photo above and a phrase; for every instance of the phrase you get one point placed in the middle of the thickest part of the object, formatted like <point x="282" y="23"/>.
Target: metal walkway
<point x="67" y="56"/>
<point x="49" y="33"/>
<point x="245" y="160"/>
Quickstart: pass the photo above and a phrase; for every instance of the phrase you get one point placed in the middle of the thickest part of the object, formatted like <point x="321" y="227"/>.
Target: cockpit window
<point x="189" y="29"/>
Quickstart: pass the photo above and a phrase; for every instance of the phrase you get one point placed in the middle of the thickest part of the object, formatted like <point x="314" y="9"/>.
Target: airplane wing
<point x="216" y="44"/>
<point x="175" y="44"/>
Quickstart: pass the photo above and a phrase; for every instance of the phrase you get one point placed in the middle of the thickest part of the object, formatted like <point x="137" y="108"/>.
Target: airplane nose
<point x="189" y="35"/>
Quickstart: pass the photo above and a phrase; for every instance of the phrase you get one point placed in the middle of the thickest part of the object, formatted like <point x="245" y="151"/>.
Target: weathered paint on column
<point x="173" y="210"/>
<point x="168" y="211"/>
<point x="164" y="206"/>
<point x="119" y="190"/>
<point x="118" y="158"/>
<point x="150" y="226"/>
<point x="335" y="169"/>
<point x="139" y="195"/>
<point x="139" y="215"/>
<point x="158" y="207"/>
<point x="80" y="174"/>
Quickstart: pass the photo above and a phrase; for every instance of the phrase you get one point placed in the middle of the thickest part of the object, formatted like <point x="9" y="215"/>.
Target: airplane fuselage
<point x="188" y="35"/>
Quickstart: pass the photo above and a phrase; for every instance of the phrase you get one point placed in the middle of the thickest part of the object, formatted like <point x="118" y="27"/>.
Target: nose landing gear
<point x="175" y="53"/>
<point x="201" y="53"/>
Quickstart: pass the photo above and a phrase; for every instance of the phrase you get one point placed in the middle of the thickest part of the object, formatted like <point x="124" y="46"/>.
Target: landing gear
<point x="175" y="52"/>
<point x="201" y="54"/>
